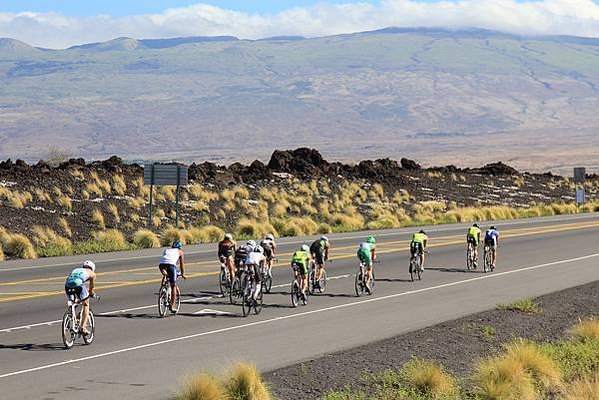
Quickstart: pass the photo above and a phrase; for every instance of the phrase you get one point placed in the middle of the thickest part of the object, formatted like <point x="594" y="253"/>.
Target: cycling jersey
<point x="365" y="253"/>
<point x="268" y="246"/>
<point x="474" y="232"/>
<point x="419" y="238"/>
<point x="301" y="258"/>
<point x="75" y="284"/>
<point x="491" y="237"/>
<point x="240" y="255"/>
<point x="170" y="256"/>
<point x="226" y="248"/>
<point x="255" y="258"/>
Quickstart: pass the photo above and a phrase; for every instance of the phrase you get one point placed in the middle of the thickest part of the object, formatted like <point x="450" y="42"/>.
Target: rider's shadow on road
<point x="128" y="315"/>
<point x="454" y="270"/>
<point x="33" y="346"/>
<point x="392" y="280"/>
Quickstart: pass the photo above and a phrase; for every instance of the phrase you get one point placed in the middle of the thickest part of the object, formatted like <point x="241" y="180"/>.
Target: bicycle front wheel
<point x="322" y="282"/>
<point x="68" y="331"/>
<point x="163" y="301"/>
<point x="267" y="283"/>
<point x="90" y="327"/>
<point x="177" y="301"/>
<point x="311" y="281"/>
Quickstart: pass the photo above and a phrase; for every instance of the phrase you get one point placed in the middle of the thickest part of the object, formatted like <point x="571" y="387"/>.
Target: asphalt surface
<point x="136" y="354"/>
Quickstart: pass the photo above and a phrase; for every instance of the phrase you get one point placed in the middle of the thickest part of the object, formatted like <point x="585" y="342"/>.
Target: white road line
<point x="290" y="316"/>
<point x="357" y="236"/>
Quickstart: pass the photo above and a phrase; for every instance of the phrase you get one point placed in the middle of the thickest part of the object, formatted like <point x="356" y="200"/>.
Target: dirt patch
<point x="455" y="344"/>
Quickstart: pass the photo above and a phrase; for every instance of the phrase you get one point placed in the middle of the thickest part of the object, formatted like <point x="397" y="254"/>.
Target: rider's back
<point x="77" y="277"/>
<point x="170" y="256"/>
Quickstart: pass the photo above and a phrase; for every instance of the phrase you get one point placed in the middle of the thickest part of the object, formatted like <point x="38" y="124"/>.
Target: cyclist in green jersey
<point x="418" y="245"/>
<point x="367" y="254"/>
<point x="302" y="259"/>
<point x="473" y="239"/>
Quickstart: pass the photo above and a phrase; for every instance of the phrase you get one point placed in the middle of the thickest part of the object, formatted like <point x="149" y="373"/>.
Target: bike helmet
<point x="324" y="238"/>
<point x="493" y="227"/>
<point x="475" y="225"/>
<point x="259" y="249"/>
<point x="89" y="264"/>
<point x="304" y="247"/>
<point x="228" y="236"/>
<point x="371" y="239"/>
<point x="251" y="243"/>
<point x="422" y="231"/>
<point x="270" y="236"/>
<point x="177" y="245"/>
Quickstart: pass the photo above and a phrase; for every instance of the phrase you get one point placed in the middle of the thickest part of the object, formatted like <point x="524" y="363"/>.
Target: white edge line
<point x="573" y="217"/>
<point x="284" y="317"/>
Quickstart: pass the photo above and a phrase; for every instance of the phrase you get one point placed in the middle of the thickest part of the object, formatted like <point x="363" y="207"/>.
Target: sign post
<point x="579" y="180"/>
<point x="165" y="175"/>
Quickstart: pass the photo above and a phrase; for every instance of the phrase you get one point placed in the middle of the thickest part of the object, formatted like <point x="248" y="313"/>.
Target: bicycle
<point x="314" y="283"/>
<point x="266" y="272"/>
<point x="488" y="264"/>
<point x="470" y="261"/>
<point x="361" y="283"/>
<point x="296" y="287"/>
<point x="224" y="280"/>
<point x="71" y="320"/>
<point x="416" y="268"/>
<point x="248" y="301"/>
<point x="164" y="297"/>
<point x="236" y="292"/>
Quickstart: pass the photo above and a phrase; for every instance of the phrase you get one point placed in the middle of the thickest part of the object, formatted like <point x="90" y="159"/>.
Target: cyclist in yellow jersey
<point x="473" y="238"/>
<point x="418" y="245"/>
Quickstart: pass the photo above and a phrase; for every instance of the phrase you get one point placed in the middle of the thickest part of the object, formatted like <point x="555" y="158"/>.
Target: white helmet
<point x="89" y="264"/>
<point x="305" y="247"/>
<point x="251" y="243"/>
<point x="228" y="236"/>
<point x="270" y="236"/>
<point x="259" y="249"/>
<point x="326" y="239"/>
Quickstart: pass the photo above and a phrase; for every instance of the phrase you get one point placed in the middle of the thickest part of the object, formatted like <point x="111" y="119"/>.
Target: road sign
<point x="580" y="196"/>
<point x="172" y="174"/>
<point x="580" y="175"/>
<point x="166" y="174"/>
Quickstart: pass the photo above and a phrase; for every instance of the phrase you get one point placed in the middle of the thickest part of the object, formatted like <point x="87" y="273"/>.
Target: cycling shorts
<point x="365" y="257"/>
<point x="302" y="268"/>
<point x="170" y="270"/>
<point x="492" y="242"/>
<point x="319" y="256"/>
<point x="473" y="240"/>
<point x="416" y="248"/>
<point x="79" y="292"/>
<point x="267" y="252"/>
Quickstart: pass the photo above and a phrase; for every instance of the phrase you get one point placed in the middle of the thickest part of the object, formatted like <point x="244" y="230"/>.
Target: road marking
<point x="208" y="311"/>
<point x="296" y="315"/>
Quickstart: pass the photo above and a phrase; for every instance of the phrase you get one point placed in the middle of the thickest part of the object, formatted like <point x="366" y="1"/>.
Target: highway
<point x="137" y="355"/>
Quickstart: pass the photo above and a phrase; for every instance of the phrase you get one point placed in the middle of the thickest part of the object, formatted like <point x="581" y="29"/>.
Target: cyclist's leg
<point x="172" y="277"/>
<point x="304" y="273"/>
<point x="230" y="263"/>
<point x="319" y="260"/>
<point x="83" y="296"/>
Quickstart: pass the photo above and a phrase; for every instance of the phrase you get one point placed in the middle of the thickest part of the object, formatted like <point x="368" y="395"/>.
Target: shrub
<point x="18" y="246"/>
<point x="324" y="228"/>
<point x="500" y="378"/>
<point x="537" y="363"/>
<point x="206" y="234"/>
<point x="65" y="202"/>
<point x="527" y="306"/>
<point x="345" y="223"/>
<point x="247" y="229"/>
<point x="429" y="378"/>
<point x="104" y="241"/>
<point x="586" y="387"/>
<point x="170" y="234"/>
<point x="574" y="357"/>
<point x="92" y="188"/>
<point x="136" y="202"/>
<point x="50" y="244"/>
<point x="98" y="219"/>
<point x="146" y="239"/>
<point x="385" y="221"/>
<point x="118" y="185"/>
<point x="586" y="330"/>
<point x="42" y="195"/>
<point x="297" y="226"/>
<point x="114" y="210"/>
<point x="64" y="225"/>
<point x="202" y="387"/>
<point x="243" y="382"/>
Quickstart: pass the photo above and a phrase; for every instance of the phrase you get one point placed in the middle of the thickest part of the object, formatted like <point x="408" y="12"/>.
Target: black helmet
<point x="475" y="225"/>
<point x="177" y="245"/>
<point x="493" y="228"/>
<point x="422" y="231"/>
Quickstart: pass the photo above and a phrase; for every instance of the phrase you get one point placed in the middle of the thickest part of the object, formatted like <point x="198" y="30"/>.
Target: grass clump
<point x="243" y="382"/>
<point x="500" y="378"/>
<point x="18" y="246"/>
<point x="574" y="357"/>
<point x="586" y="330"/>
<point x="346" y="223"/>
<point x="430" y="379"/>
<point x="206" y="234"/>
<point x="536" y="362"/>
<point x="49" y="244"/>
<point x="146" y="239"/>
<point x="526" y="305"/>
<point x="247" y="229"/>
<point x="171" y="234"/>
<point x="64" y="225"/>
<point x="488" y="332"/>
<point x="586" y="387"/>
<point x="98" y="219"/>
<point x="118" y="185"/>
<point x="114" y="210"/>
<point x="42" y="195"/>
<point x="202" y="387"/>
<point x="65" y="202"/>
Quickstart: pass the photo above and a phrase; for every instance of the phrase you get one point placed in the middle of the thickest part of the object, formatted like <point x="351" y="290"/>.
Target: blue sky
<point x="132" y="7"/>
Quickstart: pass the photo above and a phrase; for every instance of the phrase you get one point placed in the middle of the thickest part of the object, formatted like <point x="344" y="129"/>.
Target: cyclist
<point x="366" y="255"/>
<point x="254" y="262"/>
<point x="75" y="286"/>
<point x="168" y="267"/>
<point x="270" y="249"/>
<point x="492" y="240"/>
<point x="418" y="245"/>
<point x="473" y="239"/>
<point x="302" y="259"/>
<point x="320" y="253"/>
<point x="226" y="254"/>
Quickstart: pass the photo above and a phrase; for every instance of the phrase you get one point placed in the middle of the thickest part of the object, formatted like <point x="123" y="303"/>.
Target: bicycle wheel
<point x="370" y="285"/>
<point x="322" y="282"/>
<point x="90" y="327"/>
<point x="177" y="302"/>
<point x="304" y="297"/>
<point x="163" y="301"/>
<point x="267" y="283"/>
<point x="223" y="282"/>
<point x="246" y="304"/>
<point x="312" y="281"/>
<point x="358" y="284"/>
<point x="235" y="293"/>
<point x="258" y="302"/>
<point x="68" y="330"/>
<point x="294" y="294"/>
<point x="469" y="260"/>
<point x="413" y="269"/>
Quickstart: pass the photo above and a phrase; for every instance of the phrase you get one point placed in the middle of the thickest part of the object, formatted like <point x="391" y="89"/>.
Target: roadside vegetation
<point x="521" y="370"/>
<point x="527" y="305"/>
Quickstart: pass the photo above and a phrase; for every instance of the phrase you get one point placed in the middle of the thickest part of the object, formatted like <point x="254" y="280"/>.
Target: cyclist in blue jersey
<point x="75" y="288"/>
<point x="492" y="240"/>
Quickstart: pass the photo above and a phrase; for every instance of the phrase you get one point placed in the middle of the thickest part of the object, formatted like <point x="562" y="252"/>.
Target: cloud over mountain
<point x="543" y="17"/>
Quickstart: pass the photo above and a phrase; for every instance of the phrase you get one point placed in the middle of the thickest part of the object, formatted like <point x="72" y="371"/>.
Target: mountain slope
<point x="466" y="97"/>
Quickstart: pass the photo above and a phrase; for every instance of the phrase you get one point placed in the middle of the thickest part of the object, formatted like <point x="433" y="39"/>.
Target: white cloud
<point x="566" y="17"/>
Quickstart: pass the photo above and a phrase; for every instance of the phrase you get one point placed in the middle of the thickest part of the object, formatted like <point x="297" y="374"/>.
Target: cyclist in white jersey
<point x="256" y="260"/>
<point x="168" y="266"/>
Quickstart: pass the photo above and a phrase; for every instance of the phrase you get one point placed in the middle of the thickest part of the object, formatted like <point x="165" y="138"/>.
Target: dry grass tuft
<point x="65" y="202"/>
<point x="500" y="378"/>
<point x="49" y="243"/>
<point x="206" y="234"/>
<point x="247" y="229"/>
<point x="537" y="363"/>
<point x="114" y="210"/>
<point x="526" y="305"/>
<point x="64" y="225"/>
<point x="586" y="330"/>
<point x="243" y="382"/>
<point x="146" y="239"/>
<point x="42" y="195"/>
<point x="170" y="234"/>
<point x="111" y="240"/>
<point x="118" y="185"/>
<point x="98" y="218"/>
<point x="202" y="387"/>
<point x="429" y="378"/>
<point x="584" y="388"/>
<point x="18" y="246"/>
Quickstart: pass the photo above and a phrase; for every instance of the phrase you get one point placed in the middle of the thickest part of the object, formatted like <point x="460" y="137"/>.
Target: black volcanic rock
<point x="498" y="168"/>
<point x="410" y="165"/>
<point x="302" y="161"/>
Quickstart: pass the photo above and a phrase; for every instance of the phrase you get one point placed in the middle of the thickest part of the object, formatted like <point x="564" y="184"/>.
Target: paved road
<point x="138" y="355"/>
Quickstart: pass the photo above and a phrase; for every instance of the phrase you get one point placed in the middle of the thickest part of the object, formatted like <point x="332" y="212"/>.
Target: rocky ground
<point x="74" y="190"/>
<point x="455" y="344"/>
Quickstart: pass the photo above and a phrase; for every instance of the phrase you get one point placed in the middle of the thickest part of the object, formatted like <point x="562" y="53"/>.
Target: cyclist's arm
<point x="374" y="252"/>
<point x="92" y="283"/>
<point x="182" y="263"/>
<point x="326" y="252"/>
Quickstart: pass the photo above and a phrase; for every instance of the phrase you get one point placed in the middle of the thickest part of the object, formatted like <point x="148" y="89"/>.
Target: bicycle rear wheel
<point x="312" y="281"/>
<point x="235" y="292"/>
<point x="258" y="302"/>
<point x="419" y="270"/>
<point x="413" y="274"/>
<point x="370" y="284"/>
<point x="223" y="282"/>
<point x="68" y="330"/>
<point x="91" y="328"/>
<point x="267" y="283"/>
<point x="358" y="283"/>
<point x="246" y="304"/>
<point x="163" y="301"/>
